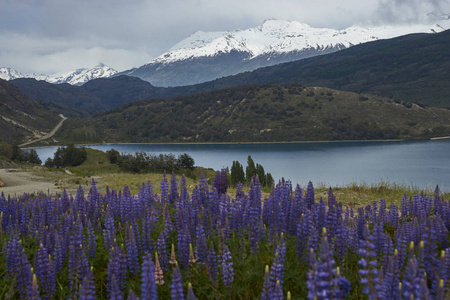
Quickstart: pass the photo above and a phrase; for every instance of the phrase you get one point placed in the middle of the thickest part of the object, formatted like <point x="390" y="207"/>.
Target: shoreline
<point x="249" y="143"/>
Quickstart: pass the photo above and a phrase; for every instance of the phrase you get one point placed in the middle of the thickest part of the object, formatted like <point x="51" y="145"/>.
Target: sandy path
<point x="18" y="181"/>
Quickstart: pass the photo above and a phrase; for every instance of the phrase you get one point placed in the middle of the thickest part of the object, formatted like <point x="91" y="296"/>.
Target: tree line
<point x="237" y="174"/>
<point x="14" y="153"/>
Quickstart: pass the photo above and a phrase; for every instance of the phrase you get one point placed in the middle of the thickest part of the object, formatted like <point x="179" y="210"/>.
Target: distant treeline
<point x="144" y="163"/>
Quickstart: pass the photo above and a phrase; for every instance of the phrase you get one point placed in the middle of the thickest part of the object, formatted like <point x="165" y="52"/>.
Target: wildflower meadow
<point x="209" y="244"/>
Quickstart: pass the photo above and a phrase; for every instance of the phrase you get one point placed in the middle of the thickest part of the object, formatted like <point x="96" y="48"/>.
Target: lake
<point x="422" y="164"/>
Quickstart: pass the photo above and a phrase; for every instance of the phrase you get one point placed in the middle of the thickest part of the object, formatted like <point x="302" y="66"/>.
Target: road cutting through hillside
<point x="48" y="135"/>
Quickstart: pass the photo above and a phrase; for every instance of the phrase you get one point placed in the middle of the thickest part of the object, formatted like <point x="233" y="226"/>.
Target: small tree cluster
<point x="237" y="174"/>
<point x="14" y="153"/>
<point x="67" y="156"/>
<point x="141" y="162"/>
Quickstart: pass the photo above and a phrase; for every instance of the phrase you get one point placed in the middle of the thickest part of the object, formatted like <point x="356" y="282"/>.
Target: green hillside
<point x="22" y="117"/>
<point x="262" y="114"/>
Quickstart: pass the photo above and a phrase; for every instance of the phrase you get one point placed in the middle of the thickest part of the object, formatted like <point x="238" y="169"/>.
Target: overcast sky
<point x="48" y="36"/>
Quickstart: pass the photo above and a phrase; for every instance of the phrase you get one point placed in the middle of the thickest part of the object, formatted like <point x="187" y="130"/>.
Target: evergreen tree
<point x="250" y="170"/>
<point x="237" y="173"/>
<point x="261" y="174"/>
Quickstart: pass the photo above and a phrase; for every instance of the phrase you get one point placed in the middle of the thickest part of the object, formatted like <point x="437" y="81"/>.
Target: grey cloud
<point x="62" y="33"/>
<point x="411" y="11"/>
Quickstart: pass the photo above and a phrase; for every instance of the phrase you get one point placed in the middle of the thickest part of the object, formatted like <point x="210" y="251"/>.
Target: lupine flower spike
<point x="191" y="255"/>
<point x="172" y="260"/>
<point x="159" y="275"/>
<point x="190" y="294"/>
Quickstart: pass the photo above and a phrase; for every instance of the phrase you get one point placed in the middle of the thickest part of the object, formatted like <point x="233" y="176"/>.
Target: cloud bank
<point x="60" y="35"/>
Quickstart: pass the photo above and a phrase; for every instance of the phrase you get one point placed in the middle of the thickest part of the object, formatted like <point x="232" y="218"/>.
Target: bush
<point x="185" y="161"/>
<point x="144" y="163"/>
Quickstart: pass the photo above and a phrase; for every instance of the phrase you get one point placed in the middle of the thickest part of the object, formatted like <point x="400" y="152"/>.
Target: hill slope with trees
<point x="264" y="113"/>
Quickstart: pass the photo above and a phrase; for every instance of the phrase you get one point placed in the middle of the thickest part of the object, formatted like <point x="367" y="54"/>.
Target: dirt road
<point x="48" y="135"/>
<point x="18" y="181"/>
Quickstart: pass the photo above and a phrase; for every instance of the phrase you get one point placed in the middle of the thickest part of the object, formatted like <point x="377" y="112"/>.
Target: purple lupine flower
<point x="164" y="188"/>
<point x="34" y="289"/>
<point x="325" y="264"/>
<point x="447" y="263"/>
<point x="87" y="287"/>
<point x="24" y="276"/>
<point x="132" y="295"/>
<point x="227" y="267"/>
<point x="388" y="251"/>
<point x="13" y="252"/>
<point x="411" y="279"/>
<point x="117" y="268"/>
<point x="309" y="195"/>
<point x="378" y="237"/>
<point x="392" y="277"/>
<point x="176" y="287"/>
<point x="91" y="239"/>
<point x="424" y="291"/>
<point x="173" y="196"/>
<point x="183" y="248"/>
<point x="211" y="263"/>
<point x="341" y="286"/>
<point x="115" y="294"/>
<point x="278" y="292"/>
<point x="201" y="249"/>
<point x="148" y="285"/>
<point x="393" y="216"/>
<point x="311" y="282"/>
<point x="368" y="267"/>
<point x="342" y="237"/>
<point x="190" y="294"/>
<point x="267" y="292"/>
<point x="45" y="271"/>
<point x="132" y="252"/>
<point x="276" y="272"/>
<point x="313" y="240"/>
<point x="109" y="233"/>
<point x="161" y="247"/>
<point x="148" y="224"/>
<point x="404" y="206"/>
<point x="440" y="293"/>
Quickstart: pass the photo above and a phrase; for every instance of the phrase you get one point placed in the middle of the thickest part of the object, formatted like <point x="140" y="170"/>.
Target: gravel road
<point x="18" y="181"/>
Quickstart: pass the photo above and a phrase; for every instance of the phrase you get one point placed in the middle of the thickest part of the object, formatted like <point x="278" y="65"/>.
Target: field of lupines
<point x="211" y="245"/>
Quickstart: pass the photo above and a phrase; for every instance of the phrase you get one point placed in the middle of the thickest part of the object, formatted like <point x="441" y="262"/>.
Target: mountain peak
<point x="205" y="56"/>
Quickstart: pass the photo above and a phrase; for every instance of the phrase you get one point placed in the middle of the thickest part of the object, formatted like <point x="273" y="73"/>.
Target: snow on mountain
<point x="77" y="77"/>
<point x="278" y="36"/>
<point x="205" y="56"/>
<point x="80" y="76"/>
<point x="9" y="74"/>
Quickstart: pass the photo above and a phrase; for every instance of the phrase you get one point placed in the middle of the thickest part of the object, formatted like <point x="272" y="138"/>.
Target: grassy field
<point x="105" y="174"/>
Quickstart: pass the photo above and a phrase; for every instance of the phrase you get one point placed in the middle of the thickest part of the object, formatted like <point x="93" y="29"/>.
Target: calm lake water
<point x="422" y="164"/>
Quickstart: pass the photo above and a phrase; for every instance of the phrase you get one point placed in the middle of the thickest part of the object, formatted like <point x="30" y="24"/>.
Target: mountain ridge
<point x="76" y="77"/>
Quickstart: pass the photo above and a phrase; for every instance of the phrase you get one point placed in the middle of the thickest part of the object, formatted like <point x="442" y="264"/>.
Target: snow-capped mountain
<point x="205" y="56"/>
<point x="77" y="77"/>
<point x="9" y="74"/>
<point x="80" y="76"/>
